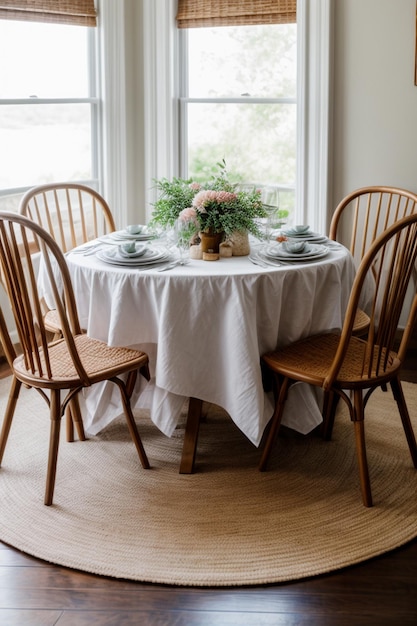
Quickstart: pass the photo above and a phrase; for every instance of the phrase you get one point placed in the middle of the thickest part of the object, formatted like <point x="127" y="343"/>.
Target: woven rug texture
<point x="226" y="525"/>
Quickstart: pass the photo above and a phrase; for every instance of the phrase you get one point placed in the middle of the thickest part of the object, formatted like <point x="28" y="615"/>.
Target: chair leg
<point x="359" y="426"/>
<point x="134" y="433"/>
<point x="397" y="391"/>
<point x="275" y="423"/>
<point x="77" y="418"/>
<point x="331" y="400"/>
<point x="144" y="371"/>
<point x="53" y="445"/>
<point x="73" y="416"/>
<point x="9" y="413"/>
<point x="130" y="383"/>
<point x="69" y="424"/>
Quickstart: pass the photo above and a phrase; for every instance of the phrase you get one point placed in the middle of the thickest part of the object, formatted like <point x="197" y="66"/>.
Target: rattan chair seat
<point x="99" y="360"/>
<point x="310" y="360"/>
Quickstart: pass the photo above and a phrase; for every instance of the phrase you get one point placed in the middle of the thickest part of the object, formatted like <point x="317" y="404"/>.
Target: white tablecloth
<point x="204" y="327"/>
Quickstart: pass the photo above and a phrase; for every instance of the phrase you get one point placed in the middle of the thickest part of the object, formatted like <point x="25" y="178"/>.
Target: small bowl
<point x="128" y="248"/>
<point x="134" y="229"/>
<point x="300" y="228"/>
<point x="294" y="247"/>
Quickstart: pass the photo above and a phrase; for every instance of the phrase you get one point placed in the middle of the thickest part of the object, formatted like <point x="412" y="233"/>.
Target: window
<point x="48" y="112"/>
<point x="314" y="84"/>
<point x="239" y="104"/>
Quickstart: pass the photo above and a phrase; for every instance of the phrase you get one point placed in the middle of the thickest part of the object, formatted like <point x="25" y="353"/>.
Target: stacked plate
<point x="304" y="233"/>
<point x="140" y="233"/>
<point x="142" y="257"/>
<point x="288" y="252"/>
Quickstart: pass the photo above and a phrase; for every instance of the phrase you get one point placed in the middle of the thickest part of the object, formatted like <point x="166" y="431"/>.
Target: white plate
<point x="315" y="251"/>
<point x="123" y="235"/>
<point x="298" y="230"/>
<point x="310" y="236"/>
<point x="152" y="255"/>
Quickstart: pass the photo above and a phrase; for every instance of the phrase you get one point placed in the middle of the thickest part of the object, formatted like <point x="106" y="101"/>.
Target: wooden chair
<point x="351" y="367"/>
<point x="68" y="364"/>
<point x="363" y="215"/>
<point x="72" y="214"/>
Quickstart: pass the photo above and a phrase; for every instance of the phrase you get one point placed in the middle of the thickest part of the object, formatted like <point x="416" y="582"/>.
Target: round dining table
<point x="205" y="326"/>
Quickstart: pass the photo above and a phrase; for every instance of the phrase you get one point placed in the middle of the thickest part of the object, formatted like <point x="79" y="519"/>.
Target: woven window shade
<point x="77" y="12"/>
<point x="195" y="13"/>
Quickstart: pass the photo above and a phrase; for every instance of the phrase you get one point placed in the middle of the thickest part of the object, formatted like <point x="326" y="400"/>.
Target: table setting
<point x="144" y="250"/>
<point x="295" y="245"/>
<point x="134" y="255"/>
<point x="136" y="246"/>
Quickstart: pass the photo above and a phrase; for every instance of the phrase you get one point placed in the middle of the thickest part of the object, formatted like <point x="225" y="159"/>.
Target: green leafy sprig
<point x="225" y="213"/>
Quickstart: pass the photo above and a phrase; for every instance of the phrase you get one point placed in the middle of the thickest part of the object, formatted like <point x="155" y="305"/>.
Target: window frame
<point x="185" y="100"/>
<point x="314" y="115"/>
<point x="93" y="100"/>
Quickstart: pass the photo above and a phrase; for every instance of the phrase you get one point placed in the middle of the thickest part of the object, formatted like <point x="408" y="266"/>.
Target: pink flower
<point x="225" y="196"/>
<point x="205" y="197"/>
<point x="195" y="186"/>
<point x="188" y="214"/>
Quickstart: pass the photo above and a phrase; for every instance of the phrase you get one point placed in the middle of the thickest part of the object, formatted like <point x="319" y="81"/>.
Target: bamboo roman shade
<point x="194" y="13"/>
<point x="77" y="12"/>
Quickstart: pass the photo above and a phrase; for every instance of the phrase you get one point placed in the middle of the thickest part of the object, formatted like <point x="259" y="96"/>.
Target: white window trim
<point x="139" y="122"/>
<point x="161" y="111"/>
<point x="314" y="18"/>
<point x="112" y="88"/>
<point x="314" y="113"/>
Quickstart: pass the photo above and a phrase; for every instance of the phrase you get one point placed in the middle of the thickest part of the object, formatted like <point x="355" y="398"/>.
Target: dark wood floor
<point x="382" y="591"/>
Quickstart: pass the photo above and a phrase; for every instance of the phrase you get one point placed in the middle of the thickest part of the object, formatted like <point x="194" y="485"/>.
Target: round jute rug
<point x="227" y="524"/>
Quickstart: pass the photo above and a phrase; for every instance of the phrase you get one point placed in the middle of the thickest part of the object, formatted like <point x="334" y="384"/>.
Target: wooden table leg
<point x="189" y="447"/>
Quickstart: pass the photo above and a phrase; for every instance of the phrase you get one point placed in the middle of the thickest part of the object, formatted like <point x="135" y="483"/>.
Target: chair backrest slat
<point x="55" y="213"/>
<point x="71" y="213"/>
<point x="83" y="216"/>
<point x="17" y="277"/>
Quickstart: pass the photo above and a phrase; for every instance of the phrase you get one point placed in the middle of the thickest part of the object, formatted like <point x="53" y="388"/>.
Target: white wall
<point x="375" y="99"/>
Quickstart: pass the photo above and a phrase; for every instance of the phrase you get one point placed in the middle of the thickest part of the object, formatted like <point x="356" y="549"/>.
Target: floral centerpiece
<point x="217" y="206"/>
